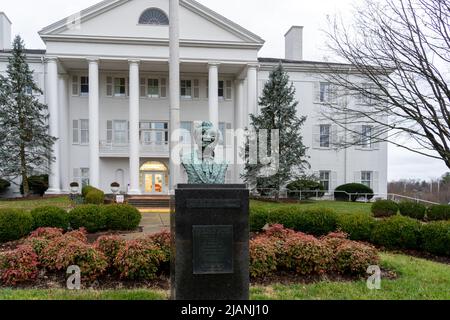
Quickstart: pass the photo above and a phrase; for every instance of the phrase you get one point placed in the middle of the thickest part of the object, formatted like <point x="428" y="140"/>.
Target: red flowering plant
<point x="19" y="265"/>
<point x="110" y="247"/>
<point x="263" y="256"/>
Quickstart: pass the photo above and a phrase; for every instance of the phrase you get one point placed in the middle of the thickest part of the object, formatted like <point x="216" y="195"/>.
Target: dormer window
<point x="154" y="16"/>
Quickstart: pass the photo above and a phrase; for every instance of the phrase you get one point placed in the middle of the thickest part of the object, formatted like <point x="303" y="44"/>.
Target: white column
<point x="52" y="102"/>
<point x="94" y="141"/>
<point x="134" y="128"/>
<point x="64" y="127"/>
<point x="252" y="94"/>
<point x="239" y="116"/>
<point x="174" y="87"/>
<point x="214" y="94"/>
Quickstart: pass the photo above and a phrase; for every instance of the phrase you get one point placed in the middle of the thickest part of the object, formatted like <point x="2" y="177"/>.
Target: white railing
<point x="146" y="149"/>
<point x="327" y="195"/>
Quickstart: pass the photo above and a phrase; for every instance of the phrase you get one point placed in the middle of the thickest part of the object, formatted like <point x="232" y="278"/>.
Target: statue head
<point x="206" y="136"/>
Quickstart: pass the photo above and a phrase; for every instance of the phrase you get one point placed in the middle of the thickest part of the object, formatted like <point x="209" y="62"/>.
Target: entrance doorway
<point x="154" y="178"/>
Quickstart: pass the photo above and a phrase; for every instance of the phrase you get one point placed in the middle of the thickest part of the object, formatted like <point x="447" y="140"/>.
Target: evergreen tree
<point x="278" y="111"/>
<point x="25" y="145"/>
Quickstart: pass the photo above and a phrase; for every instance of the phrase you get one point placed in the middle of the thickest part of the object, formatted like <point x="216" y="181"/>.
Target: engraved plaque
<point x="213" y="203"/>
<point x="212" y="249"/>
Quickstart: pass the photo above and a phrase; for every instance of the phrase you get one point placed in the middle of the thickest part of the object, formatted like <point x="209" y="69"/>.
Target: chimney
<point x="5" y="32"/>
<point x="294" y="43"/>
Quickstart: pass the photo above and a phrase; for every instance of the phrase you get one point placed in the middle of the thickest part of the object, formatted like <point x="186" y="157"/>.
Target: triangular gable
<point x="119" y="19"/>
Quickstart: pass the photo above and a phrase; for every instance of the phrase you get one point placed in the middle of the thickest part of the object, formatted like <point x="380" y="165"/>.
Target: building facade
<point x="113" y="104"/>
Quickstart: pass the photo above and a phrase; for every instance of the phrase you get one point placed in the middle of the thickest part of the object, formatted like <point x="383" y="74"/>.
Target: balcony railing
<point x="154" y="149"/>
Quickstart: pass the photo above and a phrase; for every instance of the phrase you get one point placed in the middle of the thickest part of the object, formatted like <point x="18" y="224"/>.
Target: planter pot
<point x="74" y="190"/>
<point x="115" y="190"/>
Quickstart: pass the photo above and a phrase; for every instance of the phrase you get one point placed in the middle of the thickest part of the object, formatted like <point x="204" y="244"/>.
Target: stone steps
<point x="149" y="202"/>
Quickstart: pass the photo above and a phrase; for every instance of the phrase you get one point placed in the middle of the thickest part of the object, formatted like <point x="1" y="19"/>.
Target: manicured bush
<point x="19" y="265"/>
<point x="438" y="213"/>
<point x="436" y="238"/>
<point x="54" y="217"/>
<point x="88" y="216"/>
<point x="46" y="233"/>
<point x="95" y="197"/>
<point x="354" y="258"/>
<point x="4" y="185"/>
<point x="356" y="190"/>
<point x="122" y="217"/>
<point x="306" y="255"/>
<point x="305" y="185"/>
<point x="259" y="217"/>
<point x="80" y="234"/>
<point x="164" y="240"/>
<point x="358" y="226"/>
<point x="86" y="189"/>
<point x="139" y="260"/>
<point x="110" y="247"/>
<point x="384" y="208"/>
<point x="14" y="224"/>
<point x="397" y="232"/>
<point x="412" y="210"/>
<point x="263" y="257"/>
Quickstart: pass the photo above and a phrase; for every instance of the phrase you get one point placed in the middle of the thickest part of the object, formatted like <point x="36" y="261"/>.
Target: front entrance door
<point x="154" y="183"/>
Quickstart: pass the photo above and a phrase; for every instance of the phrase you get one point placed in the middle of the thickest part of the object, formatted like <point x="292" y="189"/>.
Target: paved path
<point x="152" y="223"/>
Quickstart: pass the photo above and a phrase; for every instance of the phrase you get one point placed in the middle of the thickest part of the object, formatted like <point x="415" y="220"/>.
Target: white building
<point x="106" y="78"/>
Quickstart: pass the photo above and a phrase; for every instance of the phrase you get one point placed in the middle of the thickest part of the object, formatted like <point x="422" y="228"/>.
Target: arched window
<point x="154" y="16"/>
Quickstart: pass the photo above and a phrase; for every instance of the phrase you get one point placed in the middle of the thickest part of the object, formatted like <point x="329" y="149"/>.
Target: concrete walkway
<point x="152" y="223"/>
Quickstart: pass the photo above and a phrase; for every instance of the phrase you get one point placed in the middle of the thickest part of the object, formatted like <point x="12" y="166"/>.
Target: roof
<point x="4" y="14"/>
<point x="302" y="62"/>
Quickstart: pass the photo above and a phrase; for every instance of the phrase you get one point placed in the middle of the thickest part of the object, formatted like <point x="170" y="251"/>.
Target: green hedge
<point x="4" y="185"/>
<point x="93" y="195"/>
<point x="358" y="226"/>
<point x="88" y="216"/>
<point x="14" y="224"/>
<point x="384" y="208"/>
<point x="397" y="232"/>
<point x="313" y="221"/>
<point x="438" y="212"/>
<point x="436" y="237"/>
<point x="307" y="185"/>
<point x="122" y="217"/>
<point x="412" y="210"/>
<point x="54" y="217"/>
<point x="356" y="190"/>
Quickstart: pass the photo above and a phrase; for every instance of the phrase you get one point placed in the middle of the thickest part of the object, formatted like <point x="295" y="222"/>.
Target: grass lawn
<point x="418" y="279"/>
<point x="338" y="206"/>
<point x="63" y="202"/>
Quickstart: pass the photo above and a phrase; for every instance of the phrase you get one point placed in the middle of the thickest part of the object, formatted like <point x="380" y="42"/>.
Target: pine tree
<point x="25" y="145"/>
<point x="279" y="111"/>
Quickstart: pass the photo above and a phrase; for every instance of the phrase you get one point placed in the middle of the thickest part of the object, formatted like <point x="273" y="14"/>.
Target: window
<point x="366" y="178"/>
<point x="196" y="89"/>
<point x="120" y="87"/>
<point x="325" y="89"/>
<point x="228" y="90"/>
<point x="221" y="89"/>
<point x="80" y="129"/>
<point x="84" y="86"/>
<point x="325" y="179"/>
<point x="154" y="133"/>
<point x="186" y="133"/>
<point x="29" y="90"/>
<point x="153" y="88"/>
<point x="186" y="89"/>
<point x="120" y="132"/>
<point x="154" y="16"/>
<point x="325" y="136"/>
<point x="366" y="137"/>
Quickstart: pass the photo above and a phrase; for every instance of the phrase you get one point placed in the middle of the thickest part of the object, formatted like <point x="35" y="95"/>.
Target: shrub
<point x="122" y="217"/>
<point x="89" y="216"/>
<point x="438" y="212"/>
<point x="278" y="232"/>
<point x="49" y="217"/>
<point x="259" y="217"/>
<point x="164" y="240"/>
<point x="20" y="265"/>
<point x="412" y="210"/>
<point x="95" y="197"/>
<point x="354" y="258"/>
<point x="397" y="232"/>
<point x="384" y="208"/>
<point x="110" y="246"/>
<point x="80" y="234"/>
<point x="139" y="260"/>
<point x="263" y="257"/>
<point x="358" y="226"/>
<point x="37" y="244"/>
<point x="4" y="185"/>
<point x="46" y="233"/>
<point x="37" y="184"/>
<point x="357" y="190"/>
<point x="305" y="185"/>
<point x="14" y="224"/>
<point x="436" y="238"/>
<point x="306" y="255"/>
<point x="86" y="189"/>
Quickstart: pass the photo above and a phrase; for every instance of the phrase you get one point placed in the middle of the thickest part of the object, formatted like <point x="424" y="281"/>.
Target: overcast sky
<point x="270" y="19"/>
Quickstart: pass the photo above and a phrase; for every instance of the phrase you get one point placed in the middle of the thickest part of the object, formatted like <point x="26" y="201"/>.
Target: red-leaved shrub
<point x="163" y="240"/>
<point x="354" y="258"/>
<point x="110" y="246"/>
<point x="80" y="234"/>
<point x="46" y="233"/>
<point x="278" y="231"/>
<point x="139" y="260"/>
<point x="263" y="256"/>
<point x="19" y="265"/>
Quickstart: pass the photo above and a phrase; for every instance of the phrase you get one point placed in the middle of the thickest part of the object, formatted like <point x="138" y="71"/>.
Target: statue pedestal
<point x="210" y="251"/>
